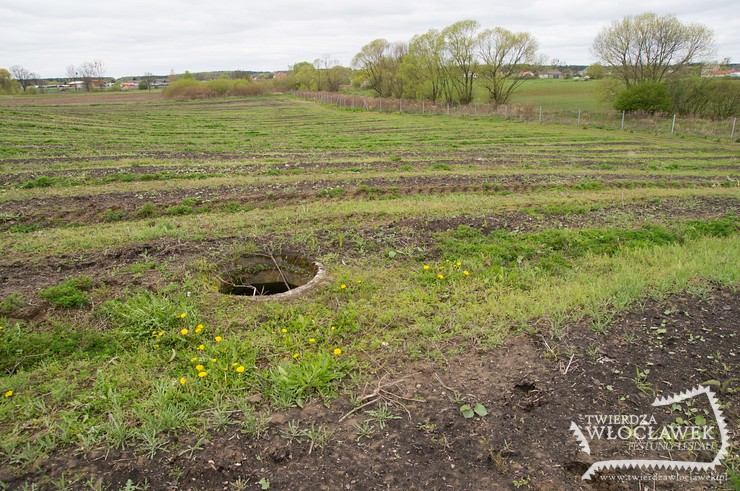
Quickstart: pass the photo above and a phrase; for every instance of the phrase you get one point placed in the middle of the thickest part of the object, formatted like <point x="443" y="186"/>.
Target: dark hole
<point x="258" y="289"/>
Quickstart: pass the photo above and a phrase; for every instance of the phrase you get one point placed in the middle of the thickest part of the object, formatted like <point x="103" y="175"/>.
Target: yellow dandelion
<point x="312" y="340"/>
<point x="156" y="346"/>
<point x="466" y="273"/>
<point x="337" y="351"/>
<point x="343" y="286"/>
<point x="184" y="332"/>
<point x="240" y="369"/>
<point x="154" y="333"/>
<point x="441" y="276"/>
<point x="296" y="355"/>
<point x="426" y="266"/>
<point x="199" y="367"/>
<point x="284" y="331"/>
<point x="183" y="315"/>
<point x="202" y="374"/>
<point x="234" y="364"/>
<point x="213" y="360"/>
<point x="193" y="359"/>
<point x="333" y="328"/>
<point x="218" y="339"/>
<point x="201" y="347"/>
<point x="359" y="281"/>
<point x="458" y="264"/>
<point x="160" y="333"/>
<point x="198" y="328"/>
<point x="447" y="260"/>
<point x="9" y="394"/>
<point x="183" y="381"/>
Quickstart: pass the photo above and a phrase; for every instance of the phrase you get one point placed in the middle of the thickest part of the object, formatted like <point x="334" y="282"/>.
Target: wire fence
<point x="615" y="120"/>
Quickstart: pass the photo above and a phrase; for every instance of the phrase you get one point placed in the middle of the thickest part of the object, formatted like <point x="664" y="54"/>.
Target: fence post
<point x="579" y="117"/>
<point x="506" y="111"/>
<point x="400" y="105"/>
<point x="381" y="105"/>
<point x="448" y="108"/>
<point x="673" y="125"/>
<point x="540" y="114"/>
<point x="422" y="107"/>
<point x="622" y="120"/>
<point x="732" y="133"/>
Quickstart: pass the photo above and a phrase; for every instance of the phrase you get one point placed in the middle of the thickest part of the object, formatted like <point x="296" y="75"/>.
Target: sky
<point x="133" y="37"/>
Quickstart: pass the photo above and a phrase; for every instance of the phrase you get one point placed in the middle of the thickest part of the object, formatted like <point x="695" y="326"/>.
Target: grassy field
<point x="569" y="95"/>
<point x="442" y="237"/>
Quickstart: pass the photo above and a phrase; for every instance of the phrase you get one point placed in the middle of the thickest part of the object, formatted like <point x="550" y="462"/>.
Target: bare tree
<point x="461" y="59"/>
<point x="505" y="55"/>
<point x="24" y="77"/>
<point x="89" y="72"/>
<point x="147" y="81"/>
<point x="653" y="48"/>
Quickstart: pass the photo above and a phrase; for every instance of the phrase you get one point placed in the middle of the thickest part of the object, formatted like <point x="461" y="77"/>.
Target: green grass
<point x="570" y="95"/>
<point x="516" y="224"/>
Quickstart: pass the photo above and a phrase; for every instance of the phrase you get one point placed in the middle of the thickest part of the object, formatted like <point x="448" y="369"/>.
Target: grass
<point x="441" y="234"/>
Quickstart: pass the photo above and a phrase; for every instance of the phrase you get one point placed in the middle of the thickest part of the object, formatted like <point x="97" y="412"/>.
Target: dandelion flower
<point x="193" y="359"/>
<point x="458" y="264"/>
<point x="466" y="273"/>
<point x="183" y="315"/>
<point x="284" y="331"/>
<point x="426" y="266"/>
<point x="312" y="340"/>
<point x="200" y="368"/>
<point x="441" y="276"/>
<point x="359" y="281"/>
<point x="240" y="369"/>
<point x="337" y="351"/>
<point x="234" y="364"/>
<point x="156" y="346"/>
<point x="213" y="360"/>
<point x="218" y="339"/>
<point x="154" y="333"/>
<point x="183" y="381"/>
<point x="160" y="333"/>
<point x="198" y="328"/>
<point x="333" y="328"/>
<point x="296" y="355"/>
<point x="201" y="347"/>
<point x="343" y="286"/>
<point x="9" y="394"/>
<point x="202" y="374"/>
<point x="184" y="332"/>
<point x="447" y="260"/>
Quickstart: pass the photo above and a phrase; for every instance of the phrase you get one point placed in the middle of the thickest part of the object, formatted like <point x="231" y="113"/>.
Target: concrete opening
<point x="261" y="275"/>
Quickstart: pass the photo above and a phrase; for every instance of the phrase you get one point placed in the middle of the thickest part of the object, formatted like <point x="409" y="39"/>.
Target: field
<point x="488" y="282"/>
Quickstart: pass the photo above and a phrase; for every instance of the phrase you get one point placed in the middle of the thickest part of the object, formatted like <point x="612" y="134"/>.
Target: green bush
<point x="221" y="86"/>
<point x="708" y="97"/>
<point x="652" y="97"/>
<point x="148" y="209"/>
<point x="69" y="294"/>
<point x="39" y="182"/>
<point x="189" y="88"/>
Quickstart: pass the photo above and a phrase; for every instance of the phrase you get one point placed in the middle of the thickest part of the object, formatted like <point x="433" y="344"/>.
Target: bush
<point x="221" y="86"/>
<point x="69" y="294"/>
<point x="189" y="89"/>
<point x="652" y="97"/>
<point x="39" y="182"/>
<point x="713" y="98"/>
<point x="148" y="209"/>
<point x="246" y="88"/>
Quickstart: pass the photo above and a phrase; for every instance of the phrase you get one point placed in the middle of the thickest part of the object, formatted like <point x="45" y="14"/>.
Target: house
<point x="553" y="74"/>
<point x="280" y="75"/>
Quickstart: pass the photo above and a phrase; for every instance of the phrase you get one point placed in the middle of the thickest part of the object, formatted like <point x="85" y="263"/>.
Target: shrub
<point x="246" y="88"/>
<point x="221" y="86"/>
<point x="69" y="294"/>
<point x="652" y="97"/>
<point x="189" y="89"/>
<point x="148" y="209"/>
<point x="714" y="98"/>
<point x="39" y="182"/>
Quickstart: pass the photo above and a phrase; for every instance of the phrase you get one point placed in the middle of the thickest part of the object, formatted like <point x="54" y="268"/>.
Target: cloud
<point x="140" y="36"/>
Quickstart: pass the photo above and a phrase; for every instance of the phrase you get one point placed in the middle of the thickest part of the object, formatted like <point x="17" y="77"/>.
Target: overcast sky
<point x="136" y="36"/>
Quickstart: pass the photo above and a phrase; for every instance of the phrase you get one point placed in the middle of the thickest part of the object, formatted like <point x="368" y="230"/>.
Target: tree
<point x="595" y="71"/>
<point x="146" y="81"/>
<point x="649" y="47"/>
<point x="7" y="84"/>
<point x="302" y="76"/>
<point x="504" y="56"/>
<point x="89" y="72"/>
<point x="379" y="63"/>
<point x="24" y="77"/>
<point x="424" y="68"/>
<point x="461" y="61"/>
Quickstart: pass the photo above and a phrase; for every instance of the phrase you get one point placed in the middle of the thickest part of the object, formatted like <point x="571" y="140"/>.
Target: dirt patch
<point x="533" y="388"/>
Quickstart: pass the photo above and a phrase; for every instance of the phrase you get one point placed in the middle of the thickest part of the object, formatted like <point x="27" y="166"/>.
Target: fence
<point x="616" y="120"/>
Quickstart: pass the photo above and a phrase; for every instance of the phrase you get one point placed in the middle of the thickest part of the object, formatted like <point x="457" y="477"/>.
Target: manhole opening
<point x="263" y="275"/>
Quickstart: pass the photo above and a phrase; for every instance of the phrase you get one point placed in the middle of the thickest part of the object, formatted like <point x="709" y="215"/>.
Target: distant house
<point x="129" y="85"/>
<point x="280" y="75"/>
<point x="526" y="75"/>
<point x="554" y="74"/>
